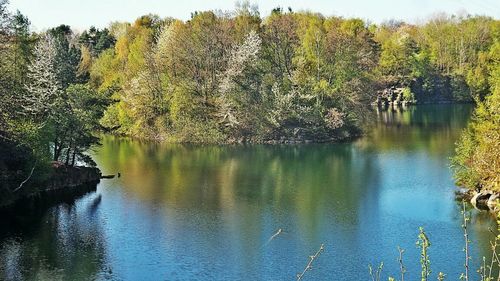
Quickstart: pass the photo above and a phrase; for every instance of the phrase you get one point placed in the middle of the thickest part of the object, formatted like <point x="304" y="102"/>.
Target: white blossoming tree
<point x="43" y="88"/>
<point x="239" y="86"/>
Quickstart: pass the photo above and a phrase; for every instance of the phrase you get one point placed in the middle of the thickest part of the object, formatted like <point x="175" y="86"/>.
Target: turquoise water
<point x="181" y="212"/>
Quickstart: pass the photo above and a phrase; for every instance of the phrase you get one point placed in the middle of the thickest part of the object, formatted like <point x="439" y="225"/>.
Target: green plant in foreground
<point x="465" y="276"/>
<point x="485" y="271"/>
<point x="402" y="267"/>
<point x="495" y="260"/>
<point x="309" y="264"/>
<point x="423" y="243"/>
<point x="441" y="276"/>
<point x="375" y="273"/>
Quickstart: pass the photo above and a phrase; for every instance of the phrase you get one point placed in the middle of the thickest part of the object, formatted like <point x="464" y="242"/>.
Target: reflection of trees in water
<point x="427" y="115"/>
<point x="237" y="195"/>
<point x="433" y="128"/>
<point x="309" y="180"/>
<point x="248" y="192"/>
<point x="300" y="176"/>
<point x="245" y="193"/>
<point x="484" y="230"/>
<point x="64" y="245"/>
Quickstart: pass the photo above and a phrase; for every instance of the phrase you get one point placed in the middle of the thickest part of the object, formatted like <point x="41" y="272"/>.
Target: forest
<point x="236" y="77"/>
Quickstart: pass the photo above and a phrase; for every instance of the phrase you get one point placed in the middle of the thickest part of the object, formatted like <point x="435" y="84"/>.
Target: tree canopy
<point x="235" y="76"/>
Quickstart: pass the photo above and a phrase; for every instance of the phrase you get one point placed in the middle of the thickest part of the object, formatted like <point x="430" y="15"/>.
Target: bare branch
<point x="26" y="180"/>
<point x="309" y="264"/>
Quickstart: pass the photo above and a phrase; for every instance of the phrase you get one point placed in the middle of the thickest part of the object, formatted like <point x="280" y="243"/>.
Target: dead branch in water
<point x="274" y="236"/>
<point x="26" y="180"/>
<point x="309" y="264"/>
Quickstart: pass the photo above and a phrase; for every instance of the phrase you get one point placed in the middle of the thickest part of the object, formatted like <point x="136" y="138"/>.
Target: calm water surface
<point x="207" y="212"/>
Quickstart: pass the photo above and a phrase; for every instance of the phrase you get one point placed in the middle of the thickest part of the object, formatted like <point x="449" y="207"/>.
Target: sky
<point x="81" y="14"/>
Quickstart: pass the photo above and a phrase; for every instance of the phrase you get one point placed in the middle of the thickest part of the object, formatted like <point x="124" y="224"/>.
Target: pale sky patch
<point x="81" y="14"/>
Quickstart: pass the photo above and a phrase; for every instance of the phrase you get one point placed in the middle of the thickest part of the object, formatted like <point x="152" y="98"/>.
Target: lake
<point x="189" y="212"/>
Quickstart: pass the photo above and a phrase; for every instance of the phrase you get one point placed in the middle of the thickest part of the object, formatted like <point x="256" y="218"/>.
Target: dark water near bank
<point x="207" y="212"/>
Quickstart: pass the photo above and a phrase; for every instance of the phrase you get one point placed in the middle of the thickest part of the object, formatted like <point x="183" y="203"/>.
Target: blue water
<point x="207" y="212"/>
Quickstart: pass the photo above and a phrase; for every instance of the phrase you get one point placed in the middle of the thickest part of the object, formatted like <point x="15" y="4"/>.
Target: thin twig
<point x="402" y="268"/>
<point x="466" y="249"/>
<point x="6" y="138"/>
<point x="494" y="256"/>
<point x="498" y="261"/>
<point x="309" y="264"/>
<point x="493" y="246"/>
<point x="274" y="235"/>
<point x="26" y="180"/>
<point x="379" y="271"/>
<point x="482" y="270"/>
<point x="376" y="275"/>
<point x="370" y="269"/>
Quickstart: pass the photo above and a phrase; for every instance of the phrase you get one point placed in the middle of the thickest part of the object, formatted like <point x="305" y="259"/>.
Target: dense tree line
<point x="235" y="76"/>
<point x="229" y="76"/>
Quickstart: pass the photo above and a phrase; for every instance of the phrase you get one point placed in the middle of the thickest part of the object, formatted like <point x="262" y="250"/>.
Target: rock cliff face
<point x="440" y="89"/>
<point x="485" y="200"/>
<point x="392" y="96"/>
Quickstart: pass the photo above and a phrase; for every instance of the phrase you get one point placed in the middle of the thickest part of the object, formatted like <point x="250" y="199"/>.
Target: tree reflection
<point x="430" y="128"/>
<point x="58" y="244"/>
<point x="207" y="212"/>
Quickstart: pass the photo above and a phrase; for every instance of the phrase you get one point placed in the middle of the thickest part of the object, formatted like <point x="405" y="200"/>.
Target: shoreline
<point x="483" y="200"/>
<point x="63" y="184"/>
<point x="284" y="141"/>
<point x="289" y="141"/>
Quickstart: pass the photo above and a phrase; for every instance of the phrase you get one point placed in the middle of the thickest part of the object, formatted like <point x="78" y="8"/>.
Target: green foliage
<point x="309" y="76"/>
<point x="477" y="160"/>
<point x="398" y="56"/>
<point x="67" y="55"/>
<point x="240" y="80"/>
<point x="96" y="40"/>
<point x="240" y="77"/>
<point x="24" y="145"/>
<point x="486" y="270"/>
<point x="408" y="95"/>
<point x="85" y="107"/>
<point x="44" y="111"/>
<point x="444" y="59"/>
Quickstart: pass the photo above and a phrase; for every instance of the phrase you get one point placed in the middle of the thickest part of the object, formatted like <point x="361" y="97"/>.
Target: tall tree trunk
<point x="68" y="152"/>
<point x="56" y="149"/>
<point x="73" y="158"/>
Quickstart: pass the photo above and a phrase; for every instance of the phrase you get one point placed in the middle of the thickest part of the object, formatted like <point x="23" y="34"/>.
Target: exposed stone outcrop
<point x="392" y="96"/>
<point x="485" y="200"/>
<point x="434" y="90"/>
